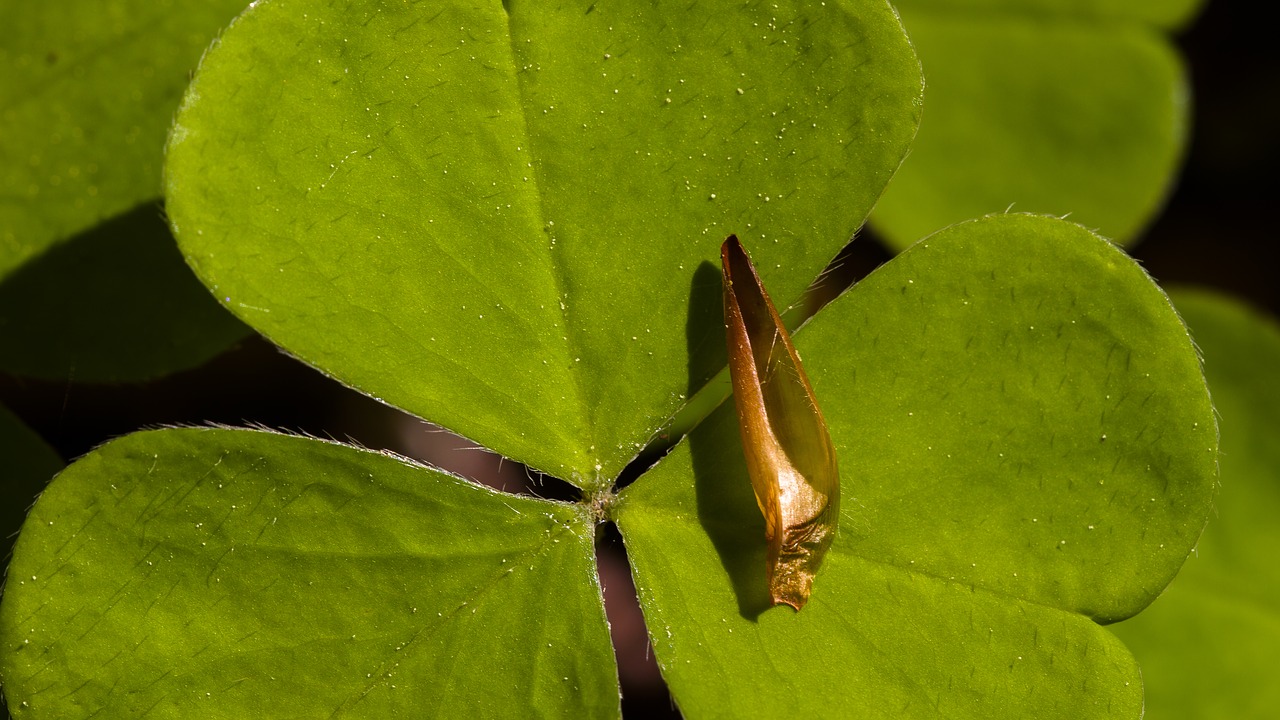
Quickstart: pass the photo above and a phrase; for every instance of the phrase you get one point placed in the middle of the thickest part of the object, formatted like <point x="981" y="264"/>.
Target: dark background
<point x="1215" y="232"/>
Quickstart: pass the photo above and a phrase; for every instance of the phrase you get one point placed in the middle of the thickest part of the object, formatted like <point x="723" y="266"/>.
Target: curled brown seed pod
<point x="789" y="454"/>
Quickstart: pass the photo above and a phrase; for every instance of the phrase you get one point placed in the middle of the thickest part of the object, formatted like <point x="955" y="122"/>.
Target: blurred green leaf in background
<point x="90" y="284"/>
<point x="1210" y="645"/>
<point x="1067" y="107"/>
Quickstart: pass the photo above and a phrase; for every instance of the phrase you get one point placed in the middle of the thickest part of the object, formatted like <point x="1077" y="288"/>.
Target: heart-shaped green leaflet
<point x="237" y="574"/>
<point x="493" y="215"/>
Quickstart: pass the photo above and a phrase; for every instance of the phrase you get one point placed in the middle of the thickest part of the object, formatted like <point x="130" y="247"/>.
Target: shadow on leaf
<point x="704" y="329"/>
<point x="116" y="303"/>
<point x="726" y="504"/>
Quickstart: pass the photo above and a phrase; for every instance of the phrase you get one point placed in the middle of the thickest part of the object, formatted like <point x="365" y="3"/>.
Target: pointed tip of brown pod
<point x="730" y="245"/>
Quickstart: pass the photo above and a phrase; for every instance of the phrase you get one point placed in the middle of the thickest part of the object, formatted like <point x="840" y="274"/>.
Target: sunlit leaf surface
<point x="235" y="574"/>
<point x="496" y="216"/>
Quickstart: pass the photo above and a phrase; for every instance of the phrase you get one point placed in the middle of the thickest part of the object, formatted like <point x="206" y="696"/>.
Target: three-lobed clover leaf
<point x="503" y="218"/>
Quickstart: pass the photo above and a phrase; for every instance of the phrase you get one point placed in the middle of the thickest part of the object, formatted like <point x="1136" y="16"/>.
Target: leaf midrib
<point x="585" y="413"/>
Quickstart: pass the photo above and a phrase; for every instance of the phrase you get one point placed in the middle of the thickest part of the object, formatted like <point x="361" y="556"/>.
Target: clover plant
<point x="504" y="218"/>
